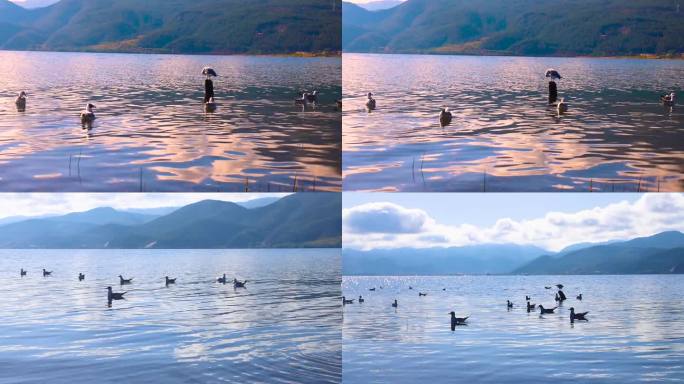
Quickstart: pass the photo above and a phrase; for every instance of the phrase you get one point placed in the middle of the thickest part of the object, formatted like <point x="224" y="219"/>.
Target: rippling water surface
<point x="616" y="135"/>
<point x="635" y="331"/>
<point x="152" y="132"/>
<point x="286" y="324"/>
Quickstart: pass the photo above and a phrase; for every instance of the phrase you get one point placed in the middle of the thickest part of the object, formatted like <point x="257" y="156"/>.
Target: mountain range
<point x="295" y="221"/>
<point x="661" y="253"/>
<point x="518" y="27"/>
<point x="174" y="26"/>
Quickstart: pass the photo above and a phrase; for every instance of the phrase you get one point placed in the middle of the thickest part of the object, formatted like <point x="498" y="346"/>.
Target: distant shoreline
<point x="162" y="52"/>
<point x="500" y="54"/>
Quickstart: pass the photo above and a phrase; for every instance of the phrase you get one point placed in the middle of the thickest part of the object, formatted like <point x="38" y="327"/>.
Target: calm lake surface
<point x="286" y="324"/>
<point x="616" y="136"/>
<point x="151" y="124"/>
<point x="635" y="331"/>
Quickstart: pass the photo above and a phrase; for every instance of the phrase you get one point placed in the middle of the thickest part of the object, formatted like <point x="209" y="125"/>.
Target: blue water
<point x="284" y="327"/>
<point x="635" y="331"/>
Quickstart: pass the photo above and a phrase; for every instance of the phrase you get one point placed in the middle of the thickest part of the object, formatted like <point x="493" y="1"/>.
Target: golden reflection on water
<point x="149" y="121"/>
<point x="616" y="135"/>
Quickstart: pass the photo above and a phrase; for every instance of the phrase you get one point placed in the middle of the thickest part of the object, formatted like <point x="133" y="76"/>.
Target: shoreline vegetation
<point x="643" y="56"/>
<point x="299" y="54"/>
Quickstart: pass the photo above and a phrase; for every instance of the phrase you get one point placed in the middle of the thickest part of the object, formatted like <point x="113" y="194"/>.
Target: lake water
<point x="286" y="324"/>
<point x="152" y="132"/>
<point x="635" y="331"/>
<point x="616" y="136"/>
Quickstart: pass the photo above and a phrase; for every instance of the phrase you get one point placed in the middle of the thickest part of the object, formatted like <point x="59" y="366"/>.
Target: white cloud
<point x="651" y="214"/>
<point x="385" y="218"/>
<point x="38" y="204"/>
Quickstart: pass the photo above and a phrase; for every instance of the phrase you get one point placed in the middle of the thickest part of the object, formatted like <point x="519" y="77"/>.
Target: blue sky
<point x="551" y="221"/>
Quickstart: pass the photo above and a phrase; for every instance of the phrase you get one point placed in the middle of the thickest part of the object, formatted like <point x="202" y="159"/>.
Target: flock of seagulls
<point x="456" y="321"/>
<point x="111" y="295"/>
<point x="445" y="116"/>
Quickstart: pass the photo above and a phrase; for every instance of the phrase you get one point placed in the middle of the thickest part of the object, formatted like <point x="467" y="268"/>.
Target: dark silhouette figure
<point x="208" y="90"/>
<point x="239" y="284"/>
<point x="169" y="281"/>
<point x="553" y="92"/>
<point x="579" y="297"/>
<point x="527" y="298"/>
<point x="457" y="320"/>
<point x="361" y="300"/>
<point x="345" y="301"/>
<point x="562" y="296"/>
<point x="22" y="273"/>
<point x="422" y="294"/>
<point x="114" y="295"/>
<point x="372" y="289"/>
<point x="509" y="305"/>
<point x="222" y="280"/>
<point x="530" y="307"/>
<point x="577" y="316"/>
<point x="46" y="273"/>
<point x="123" y="281"/>
<point x="81" y="277"/>
<point x="395" y="304"/>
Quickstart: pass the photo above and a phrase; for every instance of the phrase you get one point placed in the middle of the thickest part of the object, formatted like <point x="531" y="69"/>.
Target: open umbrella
<point x="208" y="71"/>
<point x="553" y="74"/>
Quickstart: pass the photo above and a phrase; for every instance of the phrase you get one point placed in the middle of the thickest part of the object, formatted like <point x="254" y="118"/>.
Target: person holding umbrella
<point x="208" y="84"/>
<point x="553" y="88"/>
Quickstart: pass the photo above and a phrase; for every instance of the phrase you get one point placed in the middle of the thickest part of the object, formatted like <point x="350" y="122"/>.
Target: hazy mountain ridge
<point x="518" y="27"/>
<point x="658" y="254"/>
<point x="174" y="26"/>
<point x="295" y="221"/>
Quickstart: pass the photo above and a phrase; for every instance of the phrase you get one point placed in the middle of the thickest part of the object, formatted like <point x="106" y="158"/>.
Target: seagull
<point x="668" y="100"/>
<point x="527" y="298"/>
<point x="577" y="316"/>
<point x="457" y="320"/>
<point x="239" y="284"/>
<point x="169" y="281"/>
<point x="114" y="295"/>
<point x="361" y="300"/>
<point x="81" y="277"/>
<point x="562" y="107"/>
<point x="509" y="305"/>
<point x="422" y="294"/>
<point x="345" y="301"/>
<point x="372" y="289"/>
<point x="370" y="103"/>
<point x="445" y="117"/>
<point x="46" y="273"/>
<point x="530" y="307"/>
<point x="311" y="97"/>
<point x="21" y="101"/>
<point x="87" y="115"/>
<point x="123" y="281"/>
<point x="579" y="297"/>
<point x="553" y="74"/>
<point x="22" y="273"/>
<point x="208" y="72"/>
<point x="210" y="106"/>
<point x="222" y="280"/>
<point x="544" y="310"/>
<point x="395" y="304"/>
<point x="547" y="287"/>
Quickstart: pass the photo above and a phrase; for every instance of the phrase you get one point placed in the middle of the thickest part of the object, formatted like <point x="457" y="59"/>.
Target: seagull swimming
<point x="668" y="100"/>
<point x="577" y="316"/>
<point x="222" y="280"/>
<point x="445" y="117"/>
<point x="457" y="320"/>
<point x="22" y="273"/>
<point x="370" y="103"/>
<point x="87" y="115"/>
<point x="81" y="277"/>
<point x="562" y="107"/>
<point x="395" y="304"/>
<point x="239" y="284"/>
<point x="509" y="305"/>
<point x="169" y="281"/>
<point x="21" y="101"/>
<point x="345" y="301"/>
<point x="46" y="273"/>
<point x="114" y="295"/>
<point x="421" y="294"/>
<point x="123" y="281"/>
<point x="544" y="310"/>
<point x="361" y="300"/>
<point x="579" y="297"/>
